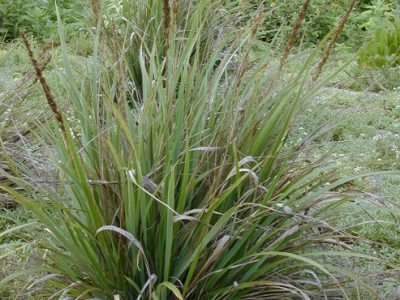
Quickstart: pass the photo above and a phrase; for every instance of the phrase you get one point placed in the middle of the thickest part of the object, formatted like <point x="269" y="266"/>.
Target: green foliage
<point x="38" y="18"/>
<point x="322" y="16"/>
<point x="374" y="12"/>
<point x="175" y="177"/>
<point x="317" y="24"/>
<point x="384" y="49"/>
<point x="189" y="189"/>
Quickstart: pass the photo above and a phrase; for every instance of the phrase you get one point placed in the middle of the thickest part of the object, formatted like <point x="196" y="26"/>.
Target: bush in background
<point x="322" y="16"/>
<point x="384" y="49"/>
<point x="38" y="18"/>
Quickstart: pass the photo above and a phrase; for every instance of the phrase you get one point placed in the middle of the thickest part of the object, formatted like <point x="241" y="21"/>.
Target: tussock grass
<point x="176" y="178"/>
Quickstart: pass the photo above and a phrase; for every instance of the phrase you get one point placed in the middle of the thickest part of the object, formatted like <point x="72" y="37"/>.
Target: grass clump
<point x="176" y="178"/>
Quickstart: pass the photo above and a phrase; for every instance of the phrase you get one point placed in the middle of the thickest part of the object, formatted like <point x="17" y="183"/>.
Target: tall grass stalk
<point x="335" y="35"/>
<point x="189" y="189"/>
<point x="295" y="30"/>
<point x="20" y="119"/>
<point x="46" y="88"/>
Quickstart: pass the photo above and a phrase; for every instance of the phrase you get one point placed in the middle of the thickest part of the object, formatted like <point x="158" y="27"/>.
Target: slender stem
<point x="336" y="35"/>
<point x="295" y="30"/>
<point x="46" y="88"/>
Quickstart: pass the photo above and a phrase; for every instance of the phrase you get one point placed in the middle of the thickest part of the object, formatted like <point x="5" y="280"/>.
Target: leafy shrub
<point x="38" y="17"/>
<point x="384" y="48"/>
<point x="373" y="12"/>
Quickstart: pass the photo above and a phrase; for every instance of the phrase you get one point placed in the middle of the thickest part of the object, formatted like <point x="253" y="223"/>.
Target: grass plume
<point x="46" y="88"/>
<point x="295" y="30"/>
<point x="335" y="36"/>
<point x="166" y="24"/>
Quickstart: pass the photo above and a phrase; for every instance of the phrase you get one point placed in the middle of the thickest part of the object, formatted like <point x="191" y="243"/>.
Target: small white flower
<point x="377" y="137"/>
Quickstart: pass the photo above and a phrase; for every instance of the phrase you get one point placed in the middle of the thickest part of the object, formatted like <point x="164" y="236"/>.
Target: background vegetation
<point x="321" y="18"/>
<point x="38" y="18"/>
